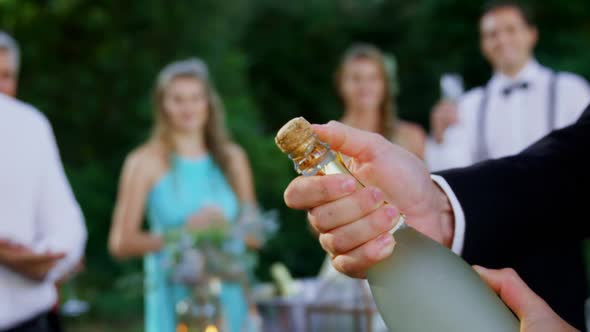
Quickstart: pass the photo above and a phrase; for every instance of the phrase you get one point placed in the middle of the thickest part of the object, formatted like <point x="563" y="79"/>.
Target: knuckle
<point x="312" y="217"/>
<point x="380" y="139"/>
<point x="344" y="265"/>
<point x="379" y="221"/>
<point x="510" y="273"/>
<point x="314" y="229"/>
<point x="324" y="242"/>
<point x="317" y="219"/>
<point x="338" y="244"/>
<point x="303" y="192"/>
<point x="324" y="189"/>
<point x="332" y="243"/>
<point x="366" y="201"/>
<point x="369" y="256"/>
<point x="288" y="196"/>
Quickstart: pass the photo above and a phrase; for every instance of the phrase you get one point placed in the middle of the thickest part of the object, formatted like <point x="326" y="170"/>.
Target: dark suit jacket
<point x="531" y="212"/>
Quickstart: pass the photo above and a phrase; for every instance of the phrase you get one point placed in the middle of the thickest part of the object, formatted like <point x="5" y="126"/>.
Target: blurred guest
<point x="9" y="68"/>
<point x="188" y="174"/>
<point x="522" y="102"/>
<point x="366" y="89"/>
<point x="42" y="233"/>
<point x="367" y="85"/>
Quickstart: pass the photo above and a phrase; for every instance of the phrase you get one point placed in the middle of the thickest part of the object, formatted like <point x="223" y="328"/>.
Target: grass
<point x="134" y="325"/>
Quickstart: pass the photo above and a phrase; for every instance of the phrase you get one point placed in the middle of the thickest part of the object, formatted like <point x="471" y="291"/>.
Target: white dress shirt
<point x="459" y="231"/>
<point x="512" y="121"/>
<point x="37" y="209"/>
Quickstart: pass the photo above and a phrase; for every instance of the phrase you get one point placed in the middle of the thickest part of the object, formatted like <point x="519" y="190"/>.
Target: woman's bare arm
<point x="127" y="239"/>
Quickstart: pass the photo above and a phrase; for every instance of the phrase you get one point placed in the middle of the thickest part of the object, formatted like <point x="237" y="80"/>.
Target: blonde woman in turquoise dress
<point x="188" y="174"/>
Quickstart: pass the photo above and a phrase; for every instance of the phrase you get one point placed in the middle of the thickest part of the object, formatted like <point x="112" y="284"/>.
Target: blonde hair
<point x="217" y="138"/>
<point x="387" y="111"/>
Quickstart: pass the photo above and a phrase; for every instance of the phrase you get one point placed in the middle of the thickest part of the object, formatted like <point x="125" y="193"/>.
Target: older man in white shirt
<point x="42" y="231"/>
<point x="521" y="103"/>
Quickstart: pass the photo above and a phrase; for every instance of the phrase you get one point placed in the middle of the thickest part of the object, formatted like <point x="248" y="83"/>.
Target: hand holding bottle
<point x="420" y="279"/>
<point x="534" y="314"/>
<point x="354" y="224"/>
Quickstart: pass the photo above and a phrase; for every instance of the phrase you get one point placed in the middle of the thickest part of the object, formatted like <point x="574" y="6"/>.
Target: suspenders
<point x="481" y="146"/>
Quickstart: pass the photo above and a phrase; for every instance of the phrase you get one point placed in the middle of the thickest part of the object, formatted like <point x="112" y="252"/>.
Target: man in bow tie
<point x="522" y="102"/>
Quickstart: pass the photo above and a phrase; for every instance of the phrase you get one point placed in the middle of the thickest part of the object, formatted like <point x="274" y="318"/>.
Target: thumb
<point x="356" y="143"/>
<point x="513" y="291"/>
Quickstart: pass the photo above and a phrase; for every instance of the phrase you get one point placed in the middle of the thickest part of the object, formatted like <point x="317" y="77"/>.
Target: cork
<point x="293" y="135"/>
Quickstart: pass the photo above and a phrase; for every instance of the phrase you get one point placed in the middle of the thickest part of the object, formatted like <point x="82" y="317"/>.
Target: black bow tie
<point x="507" y="91"/>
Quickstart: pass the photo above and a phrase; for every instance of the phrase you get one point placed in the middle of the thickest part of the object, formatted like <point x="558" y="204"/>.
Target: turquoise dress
<point x="190" y="185"/>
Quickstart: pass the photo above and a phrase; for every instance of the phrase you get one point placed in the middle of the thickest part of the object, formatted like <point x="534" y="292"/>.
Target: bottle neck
<point x="312" y="157"/>
<point x="316" y="158"/>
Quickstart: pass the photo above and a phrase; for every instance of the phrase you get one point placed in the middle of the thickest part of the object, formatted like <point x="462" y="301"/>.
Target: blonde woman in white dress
<point x="367" y="86"/>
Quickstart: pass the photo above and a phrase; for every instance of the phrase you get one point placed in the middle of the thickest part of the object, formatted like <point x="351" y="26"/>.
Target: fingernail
<point x="391" y="212"/>
<point x="377" y="195"/>
<point x="349" y="185"/>
<point x="386" y="242"/>
<point x="384" y="239"/>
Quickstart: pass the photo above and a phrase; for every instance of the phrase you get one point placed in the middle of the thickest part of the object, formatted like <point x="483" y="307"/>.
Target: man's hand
<point x="26" y="262"/>
<point x="534" y="314"/>
<point x="354" y="224"/>
<point x="442" y="117"/>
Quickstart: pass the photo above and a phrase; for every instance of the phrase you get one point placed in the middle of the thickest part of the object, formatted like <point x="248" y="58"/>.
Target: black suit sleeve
<point x="537" y="197"/>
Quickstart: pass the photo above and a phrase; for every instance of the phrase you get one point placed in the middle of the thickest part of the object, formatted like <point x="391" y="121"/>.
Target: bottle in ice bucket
<point x="422" y="286"/>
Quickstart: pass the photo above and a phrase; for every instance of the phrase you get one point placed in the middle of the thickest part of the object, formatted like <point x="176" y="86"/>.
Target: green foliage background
<point x="90" y="67"/>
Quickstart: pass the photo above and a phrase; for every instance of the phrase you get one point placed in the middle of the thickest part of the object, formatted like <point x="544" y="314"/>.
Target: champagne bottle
<point x="422" y="286"/>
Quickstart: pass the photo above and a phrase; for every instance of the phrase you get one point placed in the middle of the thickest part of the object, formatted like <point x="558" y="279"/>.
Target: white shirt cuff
<point x="459" y="232"/>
